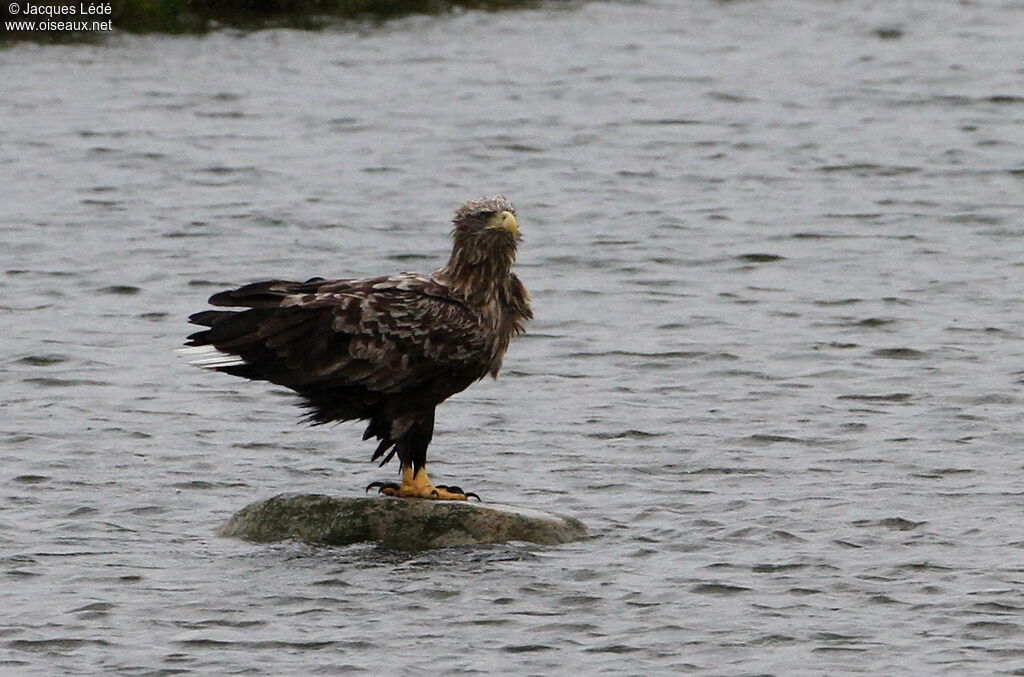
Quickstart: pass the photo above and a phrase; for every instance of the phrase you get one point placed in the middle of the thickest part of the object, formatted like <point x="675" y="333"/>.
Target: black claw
<point x="381" y="486"/>
<point x="458" y="490"/>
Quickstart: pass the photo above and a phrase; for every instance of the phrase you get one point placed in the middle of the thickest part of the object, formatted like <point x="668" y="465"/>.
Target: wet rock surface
<point x="406" y="524"/>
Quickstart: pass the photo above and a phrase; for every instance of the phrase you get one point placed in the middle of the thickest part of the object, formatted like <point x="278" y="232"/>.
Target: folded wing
<point x="345" y="344"/>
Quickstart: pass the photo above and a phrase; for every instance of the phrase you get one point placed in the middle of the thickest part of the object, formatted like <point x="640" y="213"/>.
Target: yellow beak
<point x="504" y="221"/>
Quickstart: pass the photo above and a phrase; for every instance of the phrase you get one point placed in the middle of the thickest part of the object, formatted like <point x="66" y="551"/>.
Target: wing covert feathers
<point x="384" y="335"/>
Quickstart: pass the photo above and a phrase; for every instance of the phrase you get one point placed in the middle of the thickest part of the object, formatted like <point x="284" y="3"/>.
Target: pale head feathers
<point x="483" y="206"/>
<point x="473" y="217"/>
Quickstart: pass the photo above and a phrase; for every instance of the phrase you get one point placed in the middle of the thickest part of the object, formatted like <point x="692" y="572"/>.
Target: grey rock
<point x="400" y="523"/>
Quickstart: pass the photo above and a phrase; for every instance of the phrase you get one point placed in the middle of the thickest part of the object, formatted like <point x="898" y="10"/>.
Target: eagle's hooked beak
<point x="506" y="221"/>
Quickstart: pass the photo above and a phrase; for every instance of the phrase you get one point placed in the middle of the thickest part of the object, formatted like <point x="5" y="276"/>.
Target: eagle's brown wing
<point x="384" y="335"/>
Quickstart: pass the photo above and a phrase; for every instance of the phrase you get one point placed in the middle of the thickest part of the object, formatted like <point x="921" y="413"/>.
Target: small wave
<point x="873" y="322"/>
<point x="256" y="644"/>
<point x="613" y="648"/>
<point x="668" y="122"/>
<point x="898" y="353"/>
<point x="889" y="397"/>
<point x="64" y="382"/>
<point x="719" y="589"/>
<point x="32" y="479"/>
<point x="776" y="568"/>
<point x="41" y="360"/>
<point x="526" y="648"/>
<point x="866" y="169"/>
<point x="760" y="258"/>
<point x="668" y="354"/>
<point x="765" y="439"/>
<point x="93" y="608"/>
<point x="626" y="434"/>
<point x="991" y="630"/>
<point x="58" y="645"/>
<point x="122" y="289"/>
<point x="891" y="523"/>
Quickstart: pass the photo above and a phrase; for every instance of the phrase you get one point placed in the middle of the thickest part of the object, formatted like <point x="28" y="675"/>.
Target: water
<point x="776" y="253"/>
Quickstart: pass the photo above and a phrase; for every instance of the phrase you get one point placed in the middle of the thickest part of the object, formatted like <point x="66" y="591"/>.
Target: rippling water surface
<point x="776" y="253"/>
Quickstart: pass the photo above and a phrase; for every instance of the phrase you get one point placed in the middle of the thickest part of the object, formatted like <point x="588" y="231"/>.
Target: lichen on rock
<point x="399" y="523"/>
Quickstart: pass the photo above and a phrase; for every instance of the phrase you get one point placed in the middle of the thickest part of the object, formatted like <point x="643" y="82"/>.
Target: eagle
<point x="387" y="349"/>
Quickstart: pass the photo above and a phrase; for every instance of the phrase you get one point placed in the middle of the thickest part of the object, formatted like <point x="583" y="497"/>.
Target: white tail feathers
<point x="208" y="357"/>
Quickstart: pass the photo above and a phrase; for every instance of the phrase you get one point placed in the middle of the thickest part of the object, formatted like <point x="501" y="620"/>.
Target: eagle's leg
<point x="412" y="452"/>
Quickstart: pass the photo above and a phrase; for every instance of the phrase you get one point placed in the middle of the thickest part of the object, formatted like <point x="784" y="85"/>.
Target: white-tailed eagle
<point x="383" y="349"/>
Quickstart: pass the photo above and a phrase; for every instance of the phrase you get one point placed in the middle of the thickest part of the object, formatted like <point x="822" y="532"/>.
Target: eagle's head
<point x="487" y="223"/>
<point x="484" y="235"/>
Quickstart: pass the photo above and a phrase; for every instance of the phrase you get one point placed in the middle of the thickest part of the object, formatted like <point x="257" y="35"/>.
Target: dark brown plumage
<point x="383" y="349"/>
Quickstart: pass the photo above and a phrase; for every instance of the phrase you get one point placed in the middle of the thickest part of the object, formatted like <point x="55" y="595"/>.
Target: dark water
<point x="776" y="253"/>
